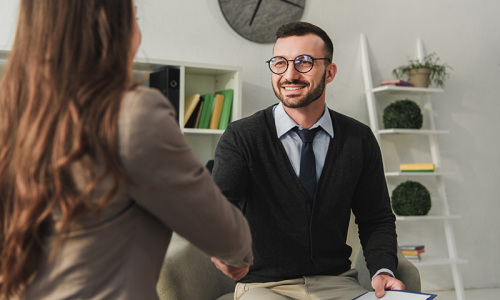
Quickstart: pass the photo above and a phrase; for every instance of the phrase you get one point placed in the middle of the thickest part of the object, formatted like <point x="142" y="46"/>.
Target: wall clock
<point x="258" y="20"/>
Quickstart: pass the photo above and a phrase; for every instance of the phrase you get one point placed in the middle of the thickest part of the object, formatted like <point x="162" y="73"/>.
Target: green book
<point x="227" y="107"/>
<point x="206" y="112"/>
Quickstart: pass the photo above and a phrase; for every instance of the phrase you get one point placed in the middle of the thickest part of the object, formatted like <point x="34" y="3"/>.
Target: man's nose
<point x="291" y="73"/>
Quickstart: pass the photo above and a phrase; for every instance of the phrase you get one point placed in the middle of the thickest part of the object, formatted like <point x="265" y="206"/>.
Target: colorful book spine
<point x="412" y="252"/>
<point x="216" y="112"/>
<point x="411" y="247"/>
<point x="396" y="82"/>
<point x="208" y="101"/>
<point x="425" y="167"/>
<point x="226" y="108"/>
<point x="190" y="104"/>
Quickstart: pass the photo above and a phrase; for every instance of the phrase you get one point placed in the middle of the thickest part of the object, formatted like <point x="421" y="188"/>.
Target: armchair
<point x="188" y="273"/>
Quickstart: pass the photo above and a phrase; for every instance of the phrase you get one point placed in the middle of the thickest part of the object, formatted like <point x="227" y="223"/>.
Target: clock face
<point x="258" y="20"/>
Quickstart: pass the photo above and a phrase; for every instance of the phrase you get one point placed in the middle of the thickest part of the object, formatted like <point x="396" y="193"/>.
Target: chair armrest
<point x="406" y="272"/>
<point x="188" y="273"/>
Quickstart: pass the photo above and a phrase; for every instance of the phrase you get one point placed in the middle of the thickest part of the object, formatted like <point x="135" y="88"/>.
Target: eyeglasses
<point x="302" y="63"/>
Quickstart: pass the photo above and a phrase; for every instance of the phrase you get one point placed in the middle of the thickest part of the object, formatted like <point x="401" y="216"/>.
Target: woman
<point x="95" y="174"/>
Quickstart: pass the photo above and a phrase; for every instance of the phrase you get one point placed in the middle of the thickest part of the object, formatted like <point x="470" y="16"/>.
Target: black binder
<point x="167" y="81"/>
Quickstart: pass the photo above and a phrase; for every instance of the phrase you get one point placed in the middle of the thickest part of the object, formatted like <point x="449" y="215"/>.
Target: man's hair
<point x="304" y="28"/>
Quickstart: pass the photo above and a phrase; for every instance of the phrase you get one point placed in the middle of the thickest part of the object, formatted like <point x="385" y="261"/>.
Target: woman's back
<point x="120" y="255"/>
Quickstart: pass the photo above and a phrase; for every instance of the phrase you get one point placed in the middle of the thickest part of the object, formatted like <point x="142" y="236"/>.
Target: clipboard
<point x="397" y="295"/>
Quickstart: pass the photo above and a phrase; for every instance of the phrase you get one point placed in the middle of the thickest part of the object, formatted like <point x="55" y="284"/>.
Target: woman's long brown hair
<point x="59" y="103"/>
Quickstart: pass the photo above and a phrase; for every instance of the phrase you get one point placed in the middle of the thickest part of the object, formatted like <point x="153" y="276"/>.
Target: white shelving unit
<point x="194" y="78"/>
<point x="202" y="79"/>
<point x="376" y="98"/>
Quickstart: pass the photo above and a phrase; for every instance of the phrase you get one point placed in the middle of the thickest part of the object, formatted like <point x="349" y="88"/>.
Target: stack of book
<point x="412" y="252"/>
<point x="395" y="82"/>
<point x="209" y="111"/>
<point x="426" y="167"/>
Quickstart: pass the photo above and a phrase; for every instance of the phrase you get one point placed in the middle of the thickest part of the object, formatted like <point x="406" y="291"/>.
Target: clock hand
<point x="255" y="12"/>
<point x="291" y="3"/>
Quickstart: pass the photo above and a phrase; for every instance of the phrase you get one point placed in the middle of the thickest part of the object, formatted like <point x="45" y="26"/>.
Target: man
<point x="299" y="221"/>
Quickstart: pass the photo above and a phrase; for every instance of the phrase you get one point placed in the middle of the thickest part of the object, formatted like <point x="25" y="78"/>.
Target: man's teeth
<point x="292" y="88"/>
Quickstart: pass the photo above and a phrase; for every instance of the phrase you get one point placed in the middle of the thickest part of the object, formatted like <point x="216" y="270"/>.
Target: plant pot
<point x="420" y="77"/>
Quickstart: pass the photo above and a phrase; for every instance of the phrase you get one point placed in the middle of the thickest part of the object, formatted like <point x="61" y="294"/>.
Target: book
<point x="397" y="295"/>
<point x="197" y="122"/>
<point x="425" y="167"/>
<point x="216" y="112"/>
<point x="208" y="101"/>
<point x="190" y="103"/>
<point x="396" y="82"/>
<point x="194" y="117"/>
<point x="226" y="108"/>
<point x="413" y="259"/>
<point x="412" y="252"/>
<point x="411" y="247"/>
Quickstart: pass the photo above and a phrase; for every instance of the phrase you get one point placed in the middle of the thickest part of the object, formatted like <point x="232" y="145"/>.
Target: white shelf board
<point x="403" y="174"/>
<point x="405" y="89"/>
<point x="412" y="131"/>
<point x="427" y="218"/>
<point x="201" y="68"/>
<point x="438" y="261"/>
<point x="202" y="131"/>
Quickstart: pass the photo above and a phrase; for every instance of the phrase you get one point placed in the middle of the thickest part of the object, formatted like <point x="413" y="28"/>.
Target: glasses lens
<point x="303" y="63"/>
<point x="278" y="64"/>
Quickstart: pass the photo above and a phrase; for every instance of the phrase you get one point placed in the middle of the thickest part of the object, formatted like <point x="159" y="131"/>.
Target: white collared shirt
<point x="292" y="142"/>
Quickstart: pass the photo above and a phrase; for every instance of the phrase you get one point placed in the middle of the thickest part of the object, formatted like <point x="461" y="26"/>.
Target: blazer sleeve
<point x="170" y="182"/>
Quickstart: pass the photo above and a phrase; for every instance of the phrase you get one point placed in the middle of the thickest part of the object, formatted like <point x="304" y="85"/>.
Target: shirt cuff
<point x="383" y="270"/>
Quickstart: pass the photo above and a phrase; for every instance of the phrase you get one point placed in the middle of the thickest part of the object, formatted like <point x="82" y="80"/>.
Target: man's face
<point x="295" y="89"/>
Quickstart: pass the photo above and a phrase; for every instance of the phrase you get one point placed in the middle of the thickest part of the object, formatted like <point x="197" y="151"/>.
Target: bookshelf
<point x="202" y="79"/>
<point x="193" y="78"/>
<point x="414" y="145"/>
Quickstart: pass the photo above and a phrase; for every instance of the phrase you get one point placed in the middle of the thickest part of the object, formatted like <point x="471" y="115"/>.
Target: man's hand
<point x="382" y="282"/>
<point x="236" y="273"/>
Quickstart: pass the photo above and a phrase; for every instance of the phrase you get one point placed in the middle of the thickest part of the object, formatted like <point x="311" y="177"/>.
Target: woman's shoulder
<point x="146" y="97"/>
<point x="146" y="116"/>
<point x="143" y="104"/>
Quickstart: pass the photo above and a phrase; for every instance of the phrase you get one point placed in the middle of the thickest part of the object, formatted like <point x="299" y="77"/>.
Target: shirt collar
<point x="284" y="123"/>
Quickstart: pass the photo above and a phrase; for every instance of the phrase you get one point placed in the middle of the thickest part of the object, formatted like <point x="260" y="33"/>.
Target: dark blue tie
<point x="307" y="174"/>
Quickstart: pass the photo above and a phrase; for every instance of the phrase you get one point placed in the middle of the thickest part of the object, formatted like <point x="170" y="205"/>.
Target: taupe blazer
<point x="120" y="256"/>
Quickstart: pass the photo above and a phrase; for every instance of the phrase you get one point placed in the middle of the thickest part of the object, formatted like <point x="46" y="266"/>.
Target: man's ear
<point x="331" y="71"/>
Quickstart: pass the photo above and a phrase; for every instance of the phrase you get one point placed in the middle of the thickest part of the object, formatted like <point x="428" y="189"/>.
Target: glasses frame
<point x="294" y="65"/>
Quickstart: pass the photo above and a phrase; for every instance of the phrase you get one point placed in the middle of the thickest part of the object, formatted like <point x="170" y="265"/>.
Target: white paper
<point x="396" y="295"/>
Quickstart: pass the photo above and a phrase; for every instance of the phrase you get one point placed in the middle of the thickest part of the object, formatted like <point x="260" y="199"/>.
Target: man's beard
<point x="307" y="99"/>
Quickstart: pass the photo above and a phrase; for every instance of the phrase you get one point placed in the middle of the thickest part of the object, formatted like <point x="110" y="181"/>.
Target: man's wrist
<point x="384" y="271"/>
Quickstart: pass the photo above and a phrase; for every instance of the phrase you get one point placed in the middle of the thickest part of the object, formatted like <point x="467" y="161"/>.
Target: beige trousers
<point x="342" y="287"/>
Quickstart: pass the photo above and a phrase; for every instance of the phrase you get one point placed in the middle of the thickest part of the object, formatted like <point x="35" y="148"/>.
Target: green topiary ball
<point x="403" y="114"/>
<point x="411" y="198"/>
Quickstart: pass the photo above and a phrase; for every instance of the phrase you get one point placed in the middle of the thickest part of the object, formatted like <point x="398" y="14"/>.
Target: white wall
<point x="465" y="34"/>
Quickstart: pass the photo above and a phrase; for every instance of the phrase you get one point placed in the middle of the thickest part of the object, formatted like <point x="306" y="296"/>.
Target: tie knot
<point x="307" y="136"/>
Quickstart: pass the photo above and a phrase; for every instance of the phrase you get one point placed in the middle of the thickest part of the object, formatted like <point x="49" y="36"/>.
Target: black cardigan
<point x="292" y="238"/>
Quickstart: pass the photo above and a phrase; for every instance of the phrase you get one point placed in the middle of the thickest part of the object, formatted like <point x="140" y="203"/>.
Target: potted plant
<point x="411" y="198"/>
<point x="403" y="114"/>
<point x="423" y="72"/>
